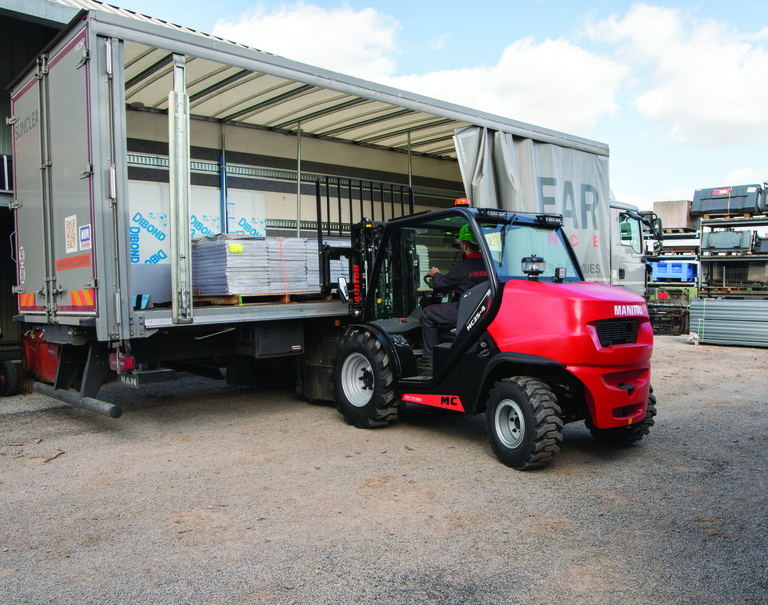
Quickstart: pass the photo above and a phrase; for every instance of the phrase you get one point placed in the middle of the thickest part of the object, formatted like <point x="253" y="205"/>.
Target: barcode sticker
<point x="70" y="233"/>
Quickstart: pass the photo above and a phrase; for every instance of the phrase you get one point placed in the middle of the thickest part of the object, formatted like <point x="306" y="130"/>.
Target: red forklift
<point x="535" y="346"/>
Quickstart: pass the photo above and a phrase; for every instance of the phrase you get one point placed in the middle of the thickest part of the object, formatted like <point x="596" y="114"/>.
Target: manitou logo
<point x="628" y="309"/>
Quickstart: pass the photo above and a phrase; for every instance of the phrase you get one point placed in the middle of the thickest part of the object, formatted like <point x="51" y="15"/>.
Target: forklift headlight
<point x="533" y="266"/>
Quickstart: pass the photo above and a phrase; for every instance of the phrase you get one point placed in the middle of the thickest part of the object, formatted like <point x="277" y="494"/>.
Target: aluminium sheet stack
<point x="730" y="322"/>
<point x="230" y="264"/>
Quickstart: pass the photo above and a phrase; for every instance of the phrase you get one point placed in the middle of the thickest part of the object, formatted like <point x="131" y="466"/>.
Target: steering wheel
<point x="429" y="281"/>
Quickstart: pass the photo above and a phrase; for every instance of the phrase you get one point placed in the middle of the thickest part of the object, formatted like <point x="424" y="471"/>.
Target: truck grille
<point x="617" y="331"/>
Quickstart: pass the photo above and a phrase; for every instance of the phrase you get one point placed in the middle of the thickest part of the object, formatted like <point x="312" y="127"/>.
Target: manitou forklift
<point x="535" y="346"/>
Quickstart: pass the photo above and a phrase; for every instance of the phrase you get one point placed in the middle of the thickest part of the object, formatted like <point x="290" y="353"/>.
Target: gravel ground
<point x="203" y="493"/>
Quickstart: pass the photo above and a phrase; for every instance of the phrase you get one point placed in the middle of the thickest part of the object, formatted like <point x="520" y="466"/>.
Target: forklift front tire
<point x="363" y="381"/>
<point x="524" y="422"/>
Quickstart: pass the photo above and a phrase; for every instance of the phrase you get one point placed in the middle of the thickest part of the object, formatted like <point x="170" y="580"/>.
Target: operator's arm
<point x="447" y="283"/>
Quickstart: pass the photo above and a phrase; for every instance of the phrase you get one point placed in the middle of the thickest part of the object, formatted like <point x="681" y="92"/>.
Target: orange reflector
<point x="337" y="322"/>
<point x="462" y="201"/>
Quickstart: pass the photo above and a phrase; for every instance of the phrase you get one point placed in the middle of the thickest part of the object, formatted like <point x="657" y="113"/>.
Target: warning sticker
<point x="722" y="191"/>
<point x="85" y="237"/>
<point x="73" y="262"/>
<point x="70" y="233"/>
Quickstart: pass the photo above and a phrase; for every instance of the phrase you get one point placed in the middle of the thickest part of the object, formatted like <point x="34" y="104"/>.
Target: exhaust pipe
<point x="89" y="403"/>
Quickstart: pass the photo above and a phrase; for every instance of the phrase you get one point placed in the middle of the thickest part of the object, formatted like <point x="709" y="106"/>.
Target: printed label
<point x="73" y="262"/>
<point x="85" y="237"/>
<point x="628" y="310"/>
<point x="722" y="191"/>
<point x="70" y="233"/>
<point x="235" y="248"/>
<point x="451" y="402"/>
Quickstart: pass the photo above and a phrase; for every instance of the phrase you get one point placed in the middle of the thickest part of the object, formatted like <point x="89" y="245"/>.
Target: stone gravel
<point x="204" y="493"/>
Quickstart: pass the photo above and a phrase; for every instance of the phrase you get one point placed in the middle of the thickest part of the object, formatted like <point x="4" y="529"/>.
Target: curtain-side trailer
<point x="80" y="279"/>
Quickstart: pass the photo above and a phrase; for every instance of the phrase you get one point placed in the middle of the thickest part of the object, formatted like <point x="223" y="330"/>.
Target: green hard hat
<point x="467" y="235"/>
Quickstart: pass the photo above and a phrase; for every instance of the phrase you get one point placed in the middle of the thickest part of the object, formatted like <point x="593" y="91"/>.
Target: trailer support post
<point x="178" y="149"/>
<point x="298" y="180"/>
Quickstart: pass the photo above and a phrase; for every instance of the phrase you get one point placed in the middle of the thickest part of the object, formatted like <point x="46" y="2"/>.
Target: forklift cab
<point x="397" y="290"/>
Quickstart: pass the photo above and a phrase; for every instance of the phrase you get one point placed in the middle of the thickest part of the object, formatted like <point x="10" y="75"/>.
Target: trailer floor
<point x="203" y="493"/>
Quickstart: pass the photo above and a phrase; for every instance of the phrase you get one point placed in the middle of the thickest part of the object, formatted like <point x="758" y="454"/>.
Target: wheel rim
<point x="357" y="379"/>
<point x="510" y="423"/>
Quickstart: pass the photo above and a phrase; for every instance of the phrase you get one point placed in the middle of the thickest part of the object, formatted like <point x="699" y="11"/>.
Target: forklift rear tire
<point x="524" y="422"/>
<point x="626" y="435"/>
<point x="363" y="381"/>
<point x="9" y="379"/>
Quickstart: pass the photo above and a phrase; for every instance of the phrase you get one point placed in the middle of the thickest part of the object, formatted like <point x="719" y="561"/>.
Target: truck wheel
<point x="362" y="381"/>
<point x="9" y="379"/>
<point x="624" y="435"/>
<point x="524" y="423"/>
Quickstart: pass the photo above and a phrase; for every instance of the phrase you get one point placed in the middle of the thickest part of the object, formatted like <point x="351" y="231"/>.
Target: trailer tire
<point x="9" y="379"/>
<point x="524" y="422"/>
<point x="626" y="435"/>
<point x="363" y="380"/>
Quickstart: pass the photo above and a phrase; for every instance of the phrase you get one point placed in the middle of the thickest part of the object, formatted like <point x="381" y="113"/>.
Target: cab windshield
<point x="510" y="244"/>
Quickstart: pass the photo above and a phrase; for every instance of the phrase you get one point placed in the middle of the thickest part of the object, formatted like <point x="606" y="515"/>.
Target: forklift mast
<point x="336" y="218"/>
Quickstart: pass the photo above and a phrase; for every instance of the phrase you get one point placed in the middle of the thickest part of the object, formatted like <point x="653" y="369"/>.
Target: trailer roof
<point x="234" y="83"/>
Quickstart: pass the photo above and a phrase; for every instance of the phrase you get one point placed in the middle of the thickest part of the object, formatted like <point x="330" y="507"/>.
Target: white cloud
<point x="746" y="176"/>
<point x="554" y="84"/>
<point x="438" y="42"/>
<point x="707" y="83"/>
<point x="359" y="43"/>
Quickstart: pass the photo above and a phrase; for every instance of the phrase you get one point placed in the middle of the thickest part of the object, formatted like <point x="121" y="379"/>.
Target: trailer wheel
<point x="9" y="379"/>
<point x="362" y="381"/>
<point x="625" y="435"/>
<point x="524" y="423"/>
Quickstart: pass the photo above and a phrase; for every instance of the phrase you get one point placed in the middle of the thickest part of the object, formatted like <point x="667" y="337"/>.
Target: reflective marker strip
<point x="82" y="300"/>
<point x="27" y="303"/>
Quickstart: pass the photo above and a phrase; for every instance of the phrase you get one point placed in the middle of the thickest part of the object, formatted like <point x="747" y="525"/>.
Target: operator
<point x="464" y="274"/>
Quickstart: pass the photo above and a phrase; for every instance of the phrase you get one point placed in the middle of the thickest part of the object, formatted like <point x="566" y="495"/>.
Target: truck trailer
<point x="133" y="138"/>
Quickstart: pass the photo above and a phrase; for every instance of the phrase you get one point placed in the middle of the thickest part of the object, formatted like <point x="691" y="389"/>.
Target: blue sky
<point x="678" y="90"/>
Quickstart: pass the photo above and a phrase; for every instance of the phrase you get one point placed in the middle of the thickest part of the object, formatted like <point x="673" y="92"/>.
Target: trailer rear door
<point x="53" y="160"/>
<point x="28" y="191"/>
<point x="71" y="171"/>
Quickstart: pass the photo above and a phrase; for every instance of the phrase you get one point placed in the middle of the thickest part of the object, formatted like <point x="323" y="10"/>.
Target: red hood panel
<point x="553" y="320"/>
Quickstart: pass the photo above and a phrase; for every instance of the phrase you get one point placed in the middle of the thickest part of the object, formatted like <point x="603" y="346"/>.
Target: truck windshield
<point x="509" y="244"/>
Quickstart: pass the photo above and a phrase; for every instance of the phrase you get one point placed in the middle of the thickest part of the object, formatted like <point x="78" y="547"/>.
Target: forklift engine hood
<point x="560" y="321"/>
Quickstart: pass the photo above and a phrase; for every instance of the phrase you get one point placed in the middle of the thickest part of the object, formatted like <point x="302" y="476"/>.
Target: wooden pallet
<point x="710" y="217"/>
<point x="735" y="289"/>
<point x="243" y="300"/>
<point x="673" y="230"/>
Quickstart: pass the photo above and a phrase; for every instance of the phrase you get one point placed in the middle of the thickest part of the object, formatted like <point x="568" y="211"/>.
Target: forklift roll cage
<point x="382" y="329"/>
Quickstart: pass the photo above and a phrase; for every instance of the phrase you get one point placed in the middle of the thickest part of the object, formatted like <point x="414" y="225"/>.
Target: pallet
<point x="722" y="253"/>
<point x="735" y="289"/>
<point x="244" y="300"/>
<point x="710" y="217"/>
<point x="674" y="230"/>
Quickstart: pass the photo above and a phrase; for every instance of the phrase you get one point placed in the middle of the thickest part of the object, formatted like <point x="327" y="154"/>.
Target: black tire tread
<point x="386" y="409"/>
<point x="10" y="383"/>
<point x="548" y="423"/>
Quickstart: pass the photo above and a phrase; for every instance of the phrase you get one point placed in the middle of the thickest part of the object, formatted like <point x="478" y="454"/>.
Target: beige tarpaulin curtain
<point x="522" y="175"/>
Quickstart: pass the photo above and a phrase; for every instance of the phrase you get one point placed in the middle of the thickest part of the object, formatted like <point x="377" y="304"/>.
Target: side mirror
<point x="658" y="230"/>
<point x="343" y="295"/>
